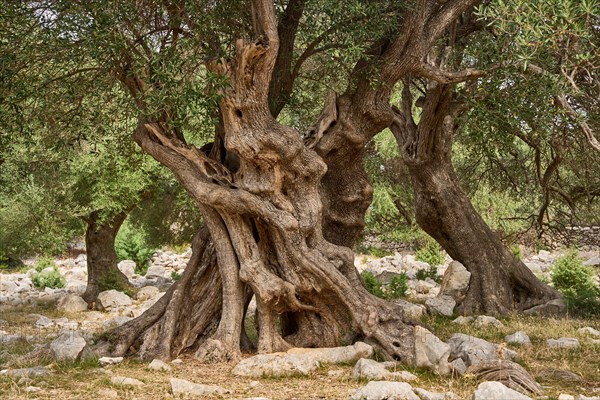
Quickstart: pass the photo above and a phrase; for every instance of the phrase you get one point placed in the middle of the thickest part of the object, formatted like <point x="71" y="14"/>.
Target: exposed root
<point x="507" y="372"/>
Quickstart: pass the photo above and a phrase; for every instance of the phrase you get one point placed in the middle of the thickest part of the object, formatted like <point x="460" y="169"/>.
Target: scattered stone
<point x="33" y="389"/>
<point x="458" y="367"/>
<point x="411" y="310"/>
<point x="564" y="396"/>
<point x="159" y="365"/>
<point x="431" y="352"/>
<point x="563" y="343"/>
<point x="474" y="350"/>
<point x="8" y="286"/>
<point x="177" y="361"/>
<point x="462" y="320"/>
<point x="146" y="293"/>
<point x="104" y="361"/>
<point x="125" y="381"/>
<point x="496" y="390"/>
<point x="300" y="360"/>
<point x="111" y="299"/>
<point x="68" y="346"/>
<point x="276" y="364"/>
<point x="456" y="281"/>
<point x="582" y="397"/>
<point x="592" y="262"/>
<point x="484" y="321"/>
<point x="127" y="267"/>
<point x="441" y="305"/>
<point x="107" y="394"/>
<point x="336" y="355"/>
<point x="71" y="304"/>
<point x="373" y="370"/>
<point x="115" y="322"/>
<point x="155" y="271"/>
<point x="427" y="395"/>
<point x="518" y="337"/>
<point x="44" y="322"/>
<point x="552" y="308"/>
<point x="588" y="330"/>
<point x="381" y="390"/>
<point x="254" y="384"/>
<point x="28" y="372"/>
<point x="180" y="386"/>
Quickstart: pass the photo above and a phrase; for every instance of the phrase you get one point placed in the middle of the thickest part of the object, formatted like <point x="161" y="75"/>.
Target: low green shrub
<point x="431" y="253"/>
<point x="175" y="275"/>
<point x="430" y="272"/>
<point x="396" y="289"/>
<point x="131" y="244"/>
<point x="576" y="283"/>
<point x="398" y="286"/>
<point x="42" y="279"/>
<point x="372" y="284"/>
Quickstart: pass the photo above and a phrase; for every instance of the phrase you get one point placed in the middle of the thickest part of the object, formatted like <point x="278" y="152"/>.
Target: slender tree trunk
<point x="500" y="283"/>
<point x="103" y="272"/>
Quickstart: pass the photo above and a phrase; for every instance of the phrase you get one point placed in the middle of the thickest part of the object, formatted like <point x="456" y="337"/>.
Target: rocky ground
<point x="45" y="337"/>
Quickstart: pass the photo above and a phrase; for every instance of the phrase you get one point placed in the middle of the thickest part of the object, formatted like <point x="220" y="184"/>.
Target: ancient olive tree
<point x="279" y="210"/>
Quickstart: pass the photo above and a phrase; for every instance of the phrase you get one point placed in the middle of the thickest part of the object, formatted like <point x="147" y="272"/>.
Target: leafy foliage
<point x="132" y="244"/>
<point x="576" y="282"/>
<point x="372" y="284"/>
<point x="397" y="287"/>
<point x="47" y="275"/>
<point x="431" y="253"/>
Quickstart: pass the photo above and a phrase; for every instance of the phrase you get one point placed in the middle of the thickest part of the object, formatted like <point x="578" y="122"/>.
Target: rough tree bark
<point x="266" y="216"/>
<point x="265" y="222"/>
<point x="103" y="273"/>
<point x="500" y="283"/>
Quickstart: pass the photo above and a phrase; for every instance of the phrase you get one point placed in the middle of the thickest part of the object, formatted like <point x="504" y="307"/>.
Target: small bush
<point x="47" y="279"/>
<point x="175" y="275"/>
<point x="372" y="284"/>
<point x="431" y="253"/>
<point x="430" y="272"/>
<point x="398" y="286"/>
<point x="576" y="283"/>
<point x="515" y="249"/>
<point x="131" y="244"/>
<point x="396" y="289"/>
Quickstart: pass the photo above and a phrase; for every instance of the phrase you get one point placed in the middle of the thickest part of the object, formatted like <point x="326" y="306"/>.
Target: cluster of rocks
<point x="18" y="289"/>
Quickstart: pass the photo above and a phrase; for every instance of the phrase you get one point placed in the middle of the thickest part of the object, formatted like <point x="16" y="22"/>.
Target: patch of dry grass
<point x="83" y="380"/>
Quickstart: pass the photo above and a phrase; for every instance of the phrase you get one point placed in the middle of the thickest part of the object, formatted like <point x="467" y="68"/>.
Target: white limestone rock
<point x="183" y="387"/>
<point x="456" y="281"/>
<point x="431" y="352"/>
<point x="563" y="343"/>
<point x="384" y="390"/>
<point x="125" y="381"/>
<point x="113" y="299"/>
<point x="473" y="350"/>
<point x="484" y="321"/>
<point x="159" y="365"/>
<point x="519" y="337"/>
<point x="496" y="390"/>
<point x="441" y="305"/>
<point x="68" y="346"/>
<point x="71" y="304"/>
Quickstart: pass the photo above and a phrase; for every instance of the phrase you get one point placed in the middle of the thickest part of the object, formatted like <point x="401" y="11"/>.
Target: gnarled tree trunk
<point x="103" y="273"/>
<point x="265" y="220"/>
<point x="500" y="283"/>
